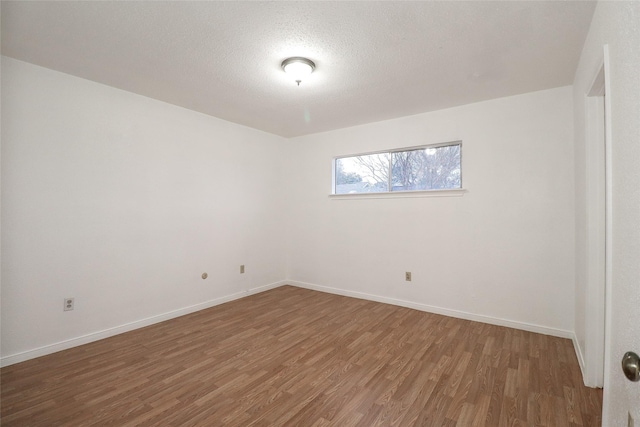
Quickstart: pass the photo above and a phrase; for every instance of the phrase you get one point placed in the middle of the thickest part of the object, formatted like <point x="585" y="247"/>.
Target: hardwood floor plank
<point x="295" y="357"/>
<point x="467" y="413"/>
<point x="482" y="409"/>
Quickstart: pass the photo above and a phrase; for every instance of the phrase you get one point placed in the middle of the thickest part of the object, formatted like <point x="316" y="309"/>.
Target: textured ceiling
<point x="374" y="60"/>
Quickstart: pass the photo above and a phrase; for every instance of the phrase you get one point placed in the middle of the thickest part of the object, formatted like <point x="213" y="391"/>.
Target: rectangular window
<point x="426" y="168"/>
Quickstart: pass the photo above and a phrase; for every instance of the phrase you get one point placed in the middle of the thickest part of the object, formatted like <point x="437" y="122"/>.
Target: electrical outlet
<point x="242" y="269"/>
<point x="407" y="276"/>
<point x="68" y="304"/>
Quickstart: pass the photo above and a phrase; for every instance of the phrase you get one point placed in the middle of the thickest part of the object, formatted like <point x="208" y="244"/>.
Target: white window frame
<point x="447" y="192"/>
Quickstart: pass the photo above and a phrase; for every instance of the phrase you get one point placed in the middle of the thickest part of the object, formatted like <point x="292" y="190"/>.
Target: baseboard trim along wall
<point x="580" y="357"/>
<point x="95" y="336"/>
<point x="439" y="310"/>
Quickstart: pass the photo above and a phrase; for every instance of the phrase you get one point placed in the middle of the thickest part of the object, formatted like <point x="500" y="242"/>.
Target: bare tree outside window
<point x="416" y="169"/>
<point x="362" y="174"/>
<point x="426" y="169"/>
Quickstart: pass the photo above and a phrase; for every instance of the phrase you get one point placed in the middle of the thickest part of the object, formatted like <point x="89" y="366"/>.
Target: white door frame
<point x="599" y="224"/>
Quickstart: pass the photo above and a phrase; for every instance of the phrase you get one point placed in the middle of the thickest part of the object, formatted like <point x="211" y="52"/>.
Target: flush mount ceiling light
<point x="298" y="68"/>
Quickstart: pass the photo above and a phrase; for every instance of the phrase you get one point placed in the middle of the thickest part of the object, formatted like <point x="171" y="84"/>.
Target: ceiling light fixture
<point x="298" y="67"/>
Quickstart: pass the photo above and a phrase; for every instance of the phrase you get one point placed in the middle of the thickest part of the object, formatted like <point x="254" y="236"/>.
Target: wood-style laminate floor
<point x="296" y="357"/>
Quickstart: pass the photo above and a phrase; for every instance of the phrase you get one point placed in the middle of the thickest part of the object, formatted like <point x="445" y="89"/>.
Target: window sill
<point x="457" y="192"/>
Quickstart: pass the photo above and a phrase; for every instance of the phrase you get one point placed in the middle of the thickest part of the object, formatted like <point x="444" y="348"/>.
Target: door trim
<point x="599" y="206"/>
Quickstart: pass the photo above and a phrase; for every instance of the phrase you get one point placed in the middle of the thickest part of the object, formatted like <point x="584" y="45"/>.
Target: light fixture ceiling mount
<point x="298" y="67"/>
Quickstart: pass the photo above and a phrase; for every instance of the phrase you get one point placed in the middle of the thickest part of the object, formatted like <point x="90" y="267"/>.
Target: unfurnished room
<point x="317" y="214"/>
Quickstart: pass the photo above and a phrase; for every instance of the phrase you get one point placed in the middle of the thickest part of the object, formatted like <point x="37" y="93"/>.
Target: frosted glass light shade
<point x="298" y="68"/>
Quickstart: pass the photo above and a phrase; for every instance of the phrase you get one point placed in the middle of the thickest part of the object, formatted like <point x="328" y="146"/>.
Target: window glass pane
<point x="362" y="174"/>
<point x="426" y="169"/>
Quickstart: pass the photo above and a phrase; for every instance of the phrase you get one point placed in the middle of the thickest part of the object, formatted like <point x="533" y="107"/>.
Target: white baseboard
<point x="95" y="336"/>
<point x="106" y="333"/>
<point x="580" y="357"/>
<point x="545" y="330"/>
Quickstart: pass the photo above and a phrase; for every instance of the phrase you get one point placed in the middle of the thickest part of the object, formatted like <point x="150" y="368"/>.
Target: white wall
<point x="505" y="250"/>
<point x="122" y="202"/>
<point x="616" y="24"/>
